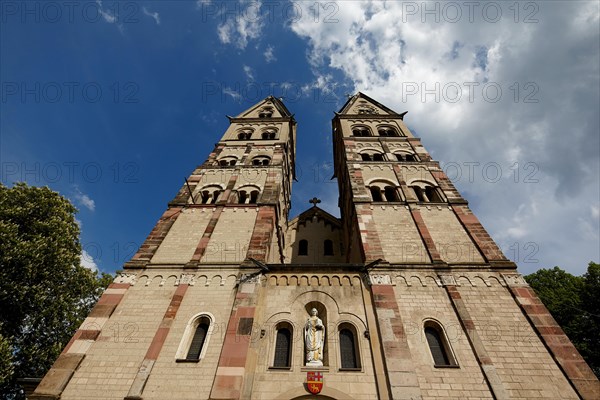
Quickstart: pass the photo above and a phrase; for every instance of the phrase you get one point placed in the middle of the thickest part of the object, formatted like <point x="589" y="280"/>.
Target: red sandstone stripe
<point x="210" y="228"/>
<point x="426" y="236"/>
<point x="161" y="333"/>
<point x="106" y="301"/>
<point x="263" y="229"/>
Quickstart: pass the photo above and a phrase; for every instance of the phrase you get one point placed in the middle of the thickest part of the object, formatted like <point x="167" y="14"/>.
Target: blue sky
<point x="113" y="103"/>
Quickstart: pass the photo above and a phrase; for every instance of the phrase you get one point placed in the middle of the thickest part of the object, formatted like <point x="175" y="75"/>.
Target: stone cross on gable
<point x="314" y="201"/>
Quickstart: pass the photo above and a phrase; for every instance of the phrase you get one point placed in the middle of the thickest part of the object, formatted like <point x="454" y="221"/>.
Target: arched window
<point x="371" y="156"/>
<point x="384" y="191"/>
<point x="438" y="345"/>
<point x="245" y="134"/>
<point x="432" y="194"/>
<point x="261" y="160"/>
<point x="248" y="195"/>
<point x="283" y="346"/>
<point x="227" y="161"/>
<point x="269" y="134"/>
<point x="349" y="354"/>
<point x="198" y="340"/>
<point x="303" y="247"/>
<point x="208" y="195"/>
<point x="376" y="193"/>
<point x="387" y="131"/>
<point x="426" y="193"/>
<point x="328" y="247"/>
<point x="405" y="157"/>
<point x="195" y="338"/>
<point x="361" y="131"/>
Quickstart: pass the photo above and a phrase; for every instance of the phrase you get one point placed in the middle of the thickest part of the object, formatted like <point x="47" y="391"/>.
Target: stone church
<point x="405" y="296"/>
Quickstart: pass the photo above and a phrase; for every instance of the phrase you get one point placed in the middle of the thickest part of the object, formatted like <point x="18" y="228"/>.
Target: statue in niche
<point x="314" y="339"/>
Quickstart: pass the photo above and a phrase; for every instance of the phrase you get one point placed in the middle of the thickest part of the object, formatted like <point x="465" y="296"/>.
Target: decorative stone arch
<point x="274" y="323"/>
<point x="446" y="350"/>
<point x="371" y="154"/>
<point x="403" y="155"/>
<point x="384" y="190"/>
<point x="207" y="194"/>
<point x="260" y="159"/>
<point x="361" y="130"/>
<point x="387" y="130"/>
<point x="188" y="335"/>
<point x="427" y="192"/>
<point x="269" y="133"/>
<point x="347" y="324"/>
<point x="227" y="160"/>
<point x="244" y="133"/>
<point x="248" y="194"/>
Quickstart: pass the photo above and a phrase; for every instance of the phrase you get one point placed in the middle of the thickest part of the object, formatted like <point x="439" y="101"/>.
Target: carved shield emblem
<point x="314" y="381"/>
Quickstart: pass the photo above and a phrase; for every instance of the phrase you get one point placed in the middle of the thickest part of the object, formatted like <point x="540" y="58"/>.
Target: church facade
<point x="405" y="296"/>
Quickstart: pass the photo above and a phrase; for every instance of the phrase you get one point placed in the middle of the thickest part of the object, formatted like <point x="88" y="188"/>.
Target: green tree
<point x="573" y="302"/>
<point x="45" y="292"/>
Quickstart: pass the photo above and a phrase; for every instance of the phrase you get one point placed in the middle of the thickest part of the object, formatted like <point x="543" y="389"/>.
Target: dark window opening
<point x="348" y="350"/>
<point x="436" y="345"/>
<point x="198" y="340"/>
<point x="387" y="132"/>
<point x="253" y="196"/>
<point x="400" y="157"/>
<point x="328" y="247"/>
<point x="376" y="193"/>
<point x="391" y="194"/>
<point x="303" y="248"/>
<point x="377" y="157"/>
<point x="365" y="156"/>
<point x="242" y="197"/>
<point x="283" y="348"/>
<point x="432" y="194"/>
<point x="410" y="158"/>
<point x="361" y="132"/>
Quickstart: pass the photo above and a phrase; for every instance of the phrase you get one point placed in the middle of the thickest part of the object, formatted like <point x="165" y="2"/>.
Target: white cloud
<point x="542" y="131"/>
<point x="88" y="261"/>
<point x="232" y="93"/>
<point x="249" y="73"/>
<point x="242" y="25"/>
<point x="84" y="200"/>
<point x="269" y="56"/>
<point x="107" y="15"/>
<point x="153" y="15"/>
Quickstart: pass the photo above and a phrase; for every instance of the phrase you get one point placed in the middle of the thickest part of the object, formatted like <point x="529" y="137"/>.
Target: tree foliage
<point x="574" y="303"/>
<point x="45" y="292"/>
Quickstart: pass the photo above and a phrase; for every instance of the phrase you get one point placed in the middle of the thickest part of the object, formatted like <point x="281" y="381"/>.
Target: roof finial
<point x="314" y="201"/>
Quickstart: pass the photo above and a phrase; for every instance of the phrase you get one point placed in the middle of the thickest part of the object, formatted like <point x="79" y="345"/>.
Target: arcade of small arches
<point x="230" y="161"/>
<point x="269" y="133"/>
<point x="373" y="155"/>
<point x="211" y="194"/>
<point x="422" y="191"/>
<point x="382" y="131"/>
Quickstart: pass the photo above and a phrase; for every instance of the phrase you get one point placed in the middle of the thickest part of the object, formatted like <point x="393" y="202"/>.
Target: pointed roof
<point x="279" y="109"/>
<point x="315" y="211"/>
<point x="349" y="107"/>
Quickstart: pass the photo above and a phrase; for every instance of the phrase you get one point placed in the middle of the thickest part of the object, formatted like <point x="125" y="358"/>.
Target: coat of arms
<point x="314" y="381"/>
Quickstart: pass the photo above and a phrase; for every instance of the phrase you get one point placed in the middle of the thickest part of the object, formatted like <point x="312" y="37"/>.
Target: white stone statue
<point x="314" y="339"/>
